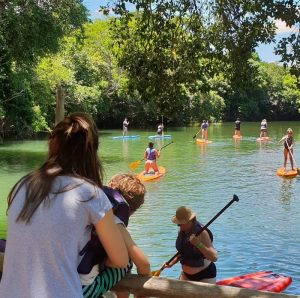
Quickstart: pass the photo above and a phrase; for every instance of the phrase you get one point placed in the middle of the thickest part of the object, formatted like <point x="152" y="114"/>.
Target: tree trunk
<point x="60" y="104"/>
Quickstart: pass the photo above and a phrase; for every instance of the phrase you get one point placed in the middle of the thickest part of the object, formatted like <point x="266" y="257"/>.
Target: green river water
<point x="260" y="232"/>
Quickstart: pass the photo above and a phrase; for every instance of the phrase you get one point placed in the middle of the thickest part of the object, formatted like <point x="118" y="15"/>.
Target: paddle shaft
<point x="196" y="134"/>
<point x="234" y="199"/>
<point x="166" y="145"/>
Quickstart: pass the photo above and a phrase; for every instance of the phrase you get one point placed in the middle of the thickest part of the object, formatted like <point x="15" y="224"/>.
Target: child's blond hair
<point x="130" y="187"/>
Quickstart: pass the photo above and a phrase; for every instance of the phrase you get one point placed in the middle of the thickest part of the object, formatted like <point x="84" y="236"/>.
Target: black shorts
<point x="209" y="272"/>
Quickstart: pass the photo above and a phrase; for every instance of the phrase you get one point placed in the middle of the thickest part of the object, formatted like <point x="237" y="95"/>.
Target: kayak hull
<point x="201" y="141"/>
<point x="126" y="137"/>
<point x="287" y="174"/>
<point x="151" y="176"/>
<point x="262" y="281"/>
<point x="160" y="137"/>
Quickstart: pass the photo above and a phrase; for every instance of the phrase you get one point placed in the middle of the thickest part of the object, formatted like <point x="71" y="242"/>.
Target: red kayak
<point x="262" y="281"/>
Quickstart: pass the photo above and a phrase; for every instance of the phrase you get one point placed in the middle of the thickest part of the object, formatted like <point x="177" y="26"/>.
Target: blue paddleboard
<point x="160" y="137"/>
<point x="126" y="137"/>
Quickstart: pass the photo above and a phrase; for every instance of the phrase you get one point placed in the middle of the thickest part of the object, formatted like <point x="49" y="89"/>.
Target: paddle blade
<point x="156" y="273"/>
<point x="194" y="136"/>
<point x="134" y="165"/>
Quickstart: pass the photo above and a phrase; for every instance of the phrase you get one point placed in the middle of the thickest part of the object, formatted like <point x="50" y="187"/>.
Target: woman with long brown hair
<point x="51" y="212"/>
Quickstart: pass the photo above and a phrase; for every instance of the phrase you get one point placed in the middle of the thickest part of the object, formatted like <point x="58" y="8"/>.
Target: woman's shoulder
<point x="79" y="184"/>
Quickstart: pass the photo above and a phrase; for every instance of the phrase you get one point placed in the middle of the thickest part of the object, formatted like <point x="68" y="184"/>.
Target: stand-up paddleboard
<point x="126" y="137"/>
<point x="262" y="281"/>
<point x="287" y="173"/>
<point x="160" y="137"/>
<point x="237" y="137"/>
<point x="151" y="176"/>
<point x="262" y="139"/>
<point x="201" y="141"/>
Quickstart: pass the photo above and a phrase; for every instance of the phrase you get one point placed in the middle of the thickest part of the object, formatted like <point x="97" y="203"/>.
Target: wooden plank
<point x="171" y="288"/>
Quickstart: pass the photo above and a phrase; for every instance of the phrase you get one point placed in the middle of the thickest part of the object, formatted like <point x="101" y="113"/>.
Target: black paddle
<point x="234" y="199"/>
<point x="194" y="136"/>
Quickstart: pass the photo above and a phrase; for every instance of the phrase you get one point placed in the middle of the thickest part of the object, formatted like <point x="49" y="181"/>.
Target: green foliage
<point x="184" y="60"/>
<point x="39" y="122"/>
<point x="29" y="30"/>
<point x="32" y="28"/>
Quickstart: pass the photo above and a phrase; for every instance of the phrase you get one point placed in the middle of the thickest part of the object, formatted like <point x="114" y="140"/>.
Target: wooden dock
<point x="173" y="288"/>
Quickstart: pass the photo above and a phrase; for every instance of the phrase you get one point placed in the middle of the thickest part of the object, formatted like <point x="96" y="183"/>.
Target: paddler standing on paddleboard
<point x="237" y="127"/>
<point x="263" y="128"/>
<point x="204" y="127"/>
<point x="288" y="148"/>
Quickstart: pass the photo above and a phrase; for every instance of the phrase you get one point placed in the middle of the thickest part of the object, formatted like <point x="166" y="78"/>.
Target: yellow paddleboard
<point x="201" y="141"/>
<point x="287" y="173"/>
<point x="151" y="176"/>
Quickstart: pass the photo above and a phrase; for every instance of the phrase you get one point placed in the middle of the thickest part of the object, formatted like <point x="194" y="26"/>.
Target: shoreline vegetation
<point x="184" y="64"/>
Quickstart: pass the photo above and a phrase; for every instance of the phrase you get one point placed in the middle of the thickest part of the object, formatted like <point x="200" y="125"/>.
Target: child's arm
<point x="135" y="253"/>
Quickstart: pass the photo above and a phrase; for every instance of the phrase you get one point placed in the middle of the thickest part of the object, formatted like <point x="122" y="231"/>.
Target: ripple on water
<point x="260" y="232"/>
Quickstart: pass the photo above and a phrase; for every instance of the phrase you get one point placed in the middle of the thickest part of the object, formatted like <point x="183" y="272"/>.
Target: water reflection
<point x="237" y="143"/>
<point x="125" y="148"/>
<point x="286" y="191"/>
<point x="202" y="148"/>
<point x="262" y="144"/>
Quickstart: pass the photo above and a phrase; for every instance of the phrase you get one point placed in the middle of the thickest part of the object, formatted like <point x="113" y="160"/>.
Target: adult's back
<point x="50" y="215"/>
<point x="49" y="248"/>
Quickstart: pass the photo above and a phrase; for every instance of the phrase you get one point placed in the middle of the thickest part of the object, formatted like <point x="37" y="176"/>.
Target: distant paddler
<point x="125" y="127"/>
<point x="160" y="129"/>
<point x="264" y="129"/>
<point x="237" y="128"/>
<point x="204" y="127"/>
<point x="287" y="141"/>
<point x="150" y="156"/>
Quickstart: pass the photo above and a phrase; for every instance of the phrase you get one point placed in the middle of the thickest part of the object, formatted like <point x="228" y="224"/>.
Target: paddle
<point x="194" y="136"/>
<point x="133" y="165"/>
<point x="298" y="170"/>
<point x="234" y="199"/>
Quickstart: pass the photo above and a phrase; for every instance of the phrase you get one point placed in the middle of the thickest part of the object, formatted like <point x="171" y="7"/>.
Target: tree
<point x="29" y="30"/>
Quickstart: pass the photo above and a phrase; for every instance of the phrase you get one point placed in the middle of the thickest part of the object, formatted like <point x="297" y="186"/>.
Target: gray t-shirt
<point x="41" y="258"/>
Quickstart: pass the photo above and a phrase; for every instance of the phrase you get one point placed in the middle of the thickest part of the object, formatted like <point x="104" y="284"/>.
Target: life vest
<point x="150" y="153"/>
<point x="288" y="142"/>
<point x="93" y="252"/>
<point x="204" y="126"/>
<point x="263" y="125"/>
<point x="189" y="254"/>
